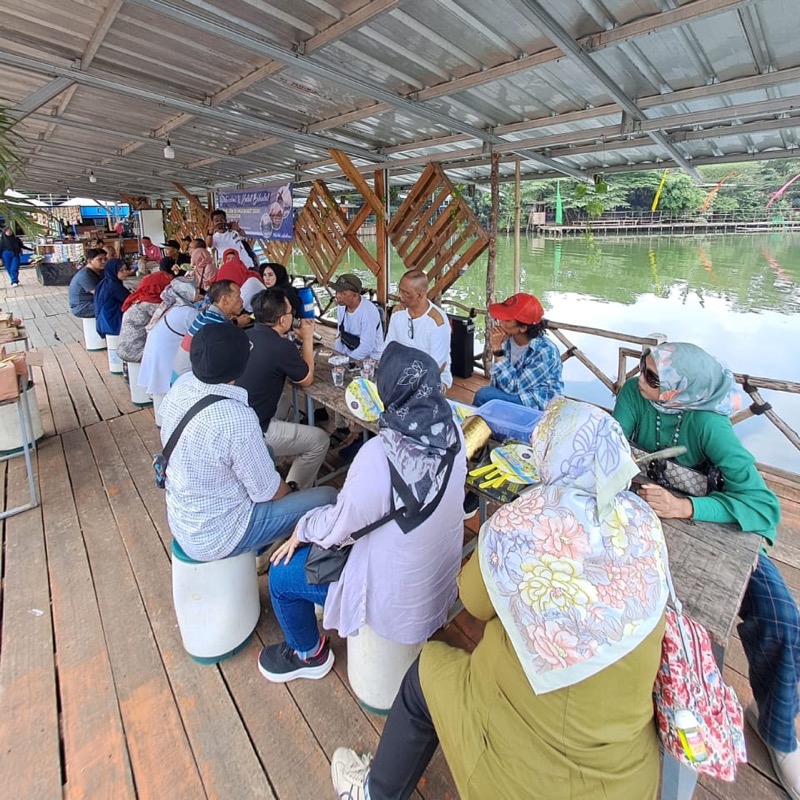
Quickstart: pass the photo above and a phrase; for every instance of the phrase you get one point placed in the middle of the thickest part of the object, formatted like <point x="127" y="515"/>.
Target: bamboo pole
<point x="516" y="226"/>
<point x="492" y="257"/>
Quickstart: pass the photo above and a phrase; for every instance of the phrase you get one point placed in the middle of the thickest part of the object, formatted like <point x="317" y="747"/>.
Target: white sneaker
<point x="349" y="773"/>
<point x="786" y="765"/>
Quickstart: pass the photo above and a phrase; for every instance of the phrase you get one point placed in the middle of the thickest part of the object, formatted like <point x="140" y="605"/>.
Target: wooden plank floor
<point x="97" y="697"/>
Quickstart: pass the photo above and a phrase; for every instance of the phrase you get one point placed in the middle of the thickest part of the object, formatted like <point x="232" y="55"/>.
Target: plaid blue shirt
<point x="535" y="378"/>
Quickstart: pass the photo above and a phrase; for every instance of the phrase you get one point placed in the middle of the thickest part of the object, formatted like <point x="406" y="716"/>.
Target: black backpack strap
<point x="202" y="403"/>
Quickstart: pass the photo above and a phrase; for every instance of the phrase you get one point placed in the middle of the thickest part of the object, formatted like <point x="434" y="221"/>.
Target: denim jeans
<point x="487" y="393"/>
<point x="276" y="518"/>
<point x="293" y="599"/>
<point x="11" y="265"/>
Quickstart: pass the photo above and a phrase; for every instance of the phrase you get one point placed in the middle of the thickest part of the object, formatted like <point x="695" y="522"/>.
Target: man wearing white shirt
<point x="227" y="237"/>
<point x="421" y="324"/>
<point x="359" y="321"/>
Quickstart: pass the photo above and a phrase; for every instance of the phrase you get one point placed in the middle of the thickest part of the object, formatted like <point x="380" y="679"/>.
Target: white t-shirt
<point x="365" y="322"/>
<point x="231" y="240"/>
<point x="431" y="335"/>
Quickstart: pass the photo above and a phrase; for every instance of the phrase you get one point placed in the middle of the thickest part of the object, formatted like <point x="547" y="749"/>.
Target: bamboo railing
<point x="750" y="384"/>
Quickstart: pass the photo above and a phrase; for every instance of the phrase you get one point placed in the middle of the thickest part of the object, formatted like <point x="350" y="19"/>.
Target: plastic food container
<point x="509" y="420"/>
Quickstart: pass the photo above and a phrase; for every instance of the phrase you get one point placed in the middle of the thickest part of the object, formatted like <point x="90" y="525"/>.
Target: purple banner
<point x="263" y="213"/>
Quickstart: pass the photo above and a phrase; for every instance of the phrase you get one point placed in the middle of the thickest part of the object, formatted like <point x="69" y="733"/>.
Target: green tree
<point x="15" y="212"/>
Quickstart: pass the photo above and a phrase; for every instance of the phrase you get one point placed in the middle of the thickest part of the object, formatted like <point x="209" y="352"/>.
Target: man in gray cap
<point x="224" y="495"/>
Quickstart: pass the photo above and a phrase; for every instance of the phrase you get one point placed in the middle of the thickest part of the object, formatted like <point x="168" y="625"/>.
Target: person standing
<point x="84" y="282"/>
<point x="420" y="324"/>
<point x="223" y="236"/>
<point x="11" y="248"/>
<point x="273" y="359"/>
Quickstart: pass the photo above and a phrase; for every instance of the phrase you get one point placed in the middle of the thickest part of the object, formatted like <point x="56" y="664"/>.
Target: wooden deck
<point x="97" y="697"/>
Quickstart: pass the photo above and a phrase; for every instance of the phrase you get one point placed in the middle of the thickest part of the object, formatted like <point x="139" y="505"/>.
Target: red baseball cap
<point x="521" y="307"/>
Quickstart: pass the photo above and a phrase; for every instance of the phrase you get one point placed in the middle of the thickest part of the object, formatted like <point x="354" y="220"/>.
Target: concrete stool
<point x="139" y="396"/>
<point x="114" y="361"/>
<point x="158" y="399"/>
<point x="216" y="603"/>
<point x="10" y="432"/>
<point x="92" y="340"/>
<point x="375" y="668"/>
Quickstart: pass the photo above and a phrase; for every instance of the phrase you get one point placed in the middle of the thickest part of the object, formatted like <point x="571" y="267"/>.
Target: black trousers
<point x="407" y="745"/>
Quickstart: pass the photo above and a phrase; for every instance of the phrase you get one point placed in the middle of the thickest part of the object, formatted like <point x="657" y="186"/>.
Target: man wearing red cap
<point x="527" y="365"/>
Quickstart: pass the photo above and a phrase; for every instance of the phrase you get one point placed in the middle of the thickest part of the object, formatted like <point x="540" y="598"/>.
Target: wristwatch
<point x="498" y="353"/>
<point x="293" y="486"/>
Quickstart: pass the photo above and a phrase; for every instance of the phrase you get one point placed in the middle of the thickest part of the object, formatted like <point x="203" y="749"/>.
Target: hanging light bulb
<point x="169" y="151"/>
<point x="92" y="178"/>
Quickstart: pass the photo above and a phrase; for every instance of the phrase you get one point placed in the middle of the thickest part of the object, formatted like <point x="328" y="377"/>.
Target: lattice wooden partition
<point x="276" y="252"/>
<point x="320" y="232"/>
<point x="434" y="230"/>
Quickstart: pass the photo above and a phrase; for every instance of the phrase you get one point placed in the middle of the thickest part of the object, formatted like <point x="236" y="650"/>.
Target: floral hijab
<point x="181" y="292"/>
<point x="693" y="380"/>
<point x="416" y="430"/>
<point x="575" y="567"/>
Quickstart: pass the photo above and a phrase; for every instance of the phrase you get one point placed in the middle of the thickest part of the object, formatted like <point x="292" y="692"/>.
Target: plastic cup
<point x="337" y="372"/>
<point x="368" y="369"/>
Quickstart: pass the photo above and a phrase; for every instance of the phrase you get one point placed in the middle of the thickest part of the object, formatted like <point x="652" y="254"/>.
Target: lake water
<point x="738" y="297"/>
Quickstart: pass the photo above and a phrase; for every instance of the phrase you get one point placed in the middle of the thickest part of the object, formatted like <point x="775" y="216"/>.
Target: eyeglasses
<point x="650" y="377"/>
<point x="410" y="327"/>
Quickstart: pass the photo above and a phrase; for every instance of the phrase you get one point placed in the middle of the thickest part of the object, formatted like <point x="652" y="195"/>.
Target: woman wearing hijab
<point x="233" y="269"/>
<point x="399" y="578"/>
<point x="203" y="267"/>
<point x="556" y="699"/>
<point x="11" y="248"/>
<point x="684" y="396"/>
<point x="274" y="274"/>
<point x="165" y="330"/>
<point x="137" y="311"/>
<point x="109" y="296"/>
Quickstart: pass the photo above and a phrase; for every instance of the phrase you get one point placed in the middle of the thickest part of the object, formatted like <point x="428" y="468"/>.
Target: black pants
<point x="407" y="745"/>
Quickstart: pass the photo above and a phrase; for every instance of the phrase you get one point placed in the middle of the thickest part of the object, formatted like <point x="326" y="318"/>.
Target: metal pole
<point x="516" y="226"/>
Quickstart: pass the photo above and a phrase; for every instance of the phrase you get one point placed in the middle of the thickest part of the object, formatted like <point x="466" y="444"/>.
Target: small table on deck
<point x="711" y="565"/>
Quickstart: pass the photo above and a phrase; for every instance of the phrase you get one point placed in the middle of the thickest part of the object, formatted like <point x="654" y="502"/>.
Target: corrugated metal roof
<point x="249" y="90"/>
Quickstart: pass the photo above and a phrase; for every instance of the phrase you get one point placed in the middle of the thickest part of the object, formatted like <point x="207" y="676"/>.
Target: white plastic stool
<point x="10" y="431"/>
<point x="92" y="340"/>
<point x="114" y="361"/>
<point x="158" y="399"/>
<point x="375" y="668"/>
<point x="139" y="396"/>
<point x="216" y="603"/>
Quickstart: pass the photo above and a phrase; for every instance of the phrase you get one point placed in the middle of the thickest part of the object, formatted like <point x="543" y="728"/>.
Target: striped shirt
<point x="182" y="363"/>
<point x="220" y="468"/>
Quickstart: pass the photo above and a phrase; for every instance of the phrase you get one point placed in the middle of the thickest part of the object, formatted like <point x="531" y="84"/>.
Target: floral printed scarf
<point x="693" y="380"/>
<point x="416" y="430"/>
<point x="575" y="567"/>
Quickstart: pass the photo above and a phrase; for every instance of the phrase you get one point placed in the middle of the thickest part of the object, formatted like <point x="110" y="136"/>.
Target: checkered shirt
<point x="535" y="378"/>
<point x="219" y="468"/>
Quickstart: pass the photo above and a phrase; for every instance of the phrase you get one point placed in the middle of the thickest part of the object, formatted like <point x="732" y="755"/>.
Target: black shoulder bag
<point x="160" y="460"/>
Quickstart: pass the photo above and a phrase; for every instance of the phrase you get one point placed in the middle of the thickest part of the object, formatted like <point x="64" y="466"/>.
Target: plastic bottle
<point x="690" y="737"/>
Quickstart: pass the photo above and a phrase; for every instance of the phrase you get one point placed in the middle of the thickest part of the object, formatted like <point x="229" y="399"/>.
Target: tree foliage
<point x="15" y="212"/>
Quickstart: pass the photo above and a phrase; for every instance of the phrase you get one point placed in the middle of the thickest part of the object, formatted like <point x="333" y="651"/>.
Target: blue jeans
<point x="276" y="518"/>
<point x="770" y="633"/>
<point x="293" y="599"/>
<point x="11" y="265"/>
<point x="487" y="393"/>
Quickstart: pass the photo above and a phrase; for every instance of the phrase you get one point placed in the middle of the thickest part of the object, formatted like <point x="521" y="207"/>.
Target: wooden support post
<point x="492" y="257"/>
<point x="516" y="226"/>
<point x="382" y="237"/>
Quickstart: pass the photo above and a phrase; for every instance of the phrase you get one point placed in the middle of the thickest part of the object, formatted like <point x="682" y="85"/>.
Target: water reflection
<point x="736" y="296"/>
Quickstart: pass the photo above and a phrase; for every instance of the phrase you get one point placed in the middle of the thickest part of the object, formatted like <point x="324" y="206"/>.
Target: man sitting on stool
<point x="224" y="496"/>
<point x="421" y="324"/>
<point x="273" y="359"/>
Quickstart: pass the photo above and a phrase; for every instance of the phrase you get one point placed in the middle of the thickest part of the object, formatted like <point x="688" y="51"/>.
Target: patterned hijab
<point x="416" y="430"/>
<point x="693" y="380"/>
<point x="575" y="567"/>
<point x="181" y="292"/>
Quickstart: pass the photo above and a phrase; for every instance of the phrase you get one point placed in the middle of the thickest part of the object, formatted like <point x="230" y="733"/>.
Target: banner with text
<point x="264" y="213"/>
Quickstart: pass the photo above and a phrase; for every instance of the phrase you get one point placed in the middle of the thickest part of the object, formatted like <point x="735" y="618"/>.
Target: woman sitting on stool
<point x="684" y="396"/>
<point x="527" y="366"/>
<point x="556" y="700"/>
<point x="400" y="578"/>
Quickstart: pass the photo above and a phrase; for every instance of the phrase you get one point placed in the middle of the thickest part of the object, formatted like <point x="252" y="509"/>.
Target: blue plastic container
<point x="509" y="420"/>
<point x="306" y="296"/>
